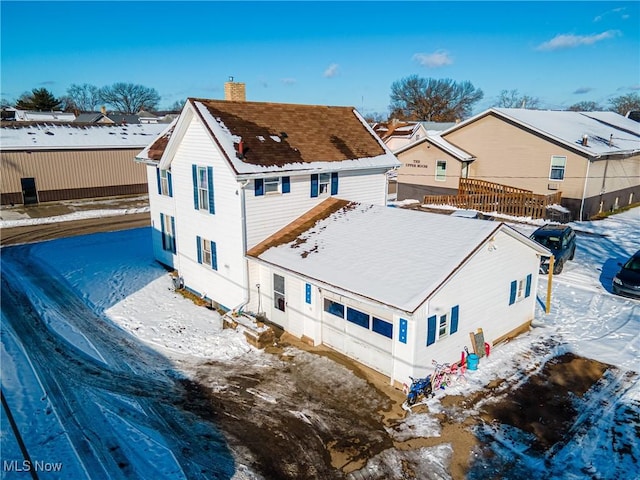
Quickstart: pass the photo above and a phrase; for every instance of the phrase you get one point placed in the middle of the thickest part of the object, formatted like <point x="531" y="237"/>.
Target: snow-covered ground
<point x="116" y="276"/>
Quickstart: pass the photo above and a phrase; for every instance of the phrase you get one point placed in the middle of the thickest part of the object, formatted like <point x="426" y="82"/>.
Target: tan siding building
<point x="44" y="163"/>
<point x="593" y="158"/>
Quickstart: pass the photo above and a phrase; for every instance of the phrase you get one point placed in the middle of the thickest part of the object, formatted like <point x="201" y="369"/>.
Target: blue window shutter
<point x="334" y="183"/>
<point x="159" y="181"/>
<point x="286" y="184"/>
<point x="527" y="291"/>
<point x="314" y="185"/>
<point x="194" y="172"/>
<point x="170" y="182"/>
<point x="199" y="244"/>
<point x="164" y="247"/>
<point x="212" y="208"/>
<point x="214" y="256"/>
<point x="307" y="293"/>
<point x="431" y="330"/>
<point x="258" y="187"/>
<point x="173" y="233"/>
<point x="454" y="320"/>
<point x="403" y="330"/>
<point x="514" y="289"/>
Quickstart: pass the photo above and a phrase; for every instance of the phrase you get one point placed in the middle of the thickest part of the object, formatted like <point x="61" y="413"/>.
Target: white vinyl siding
<point x="266" y="214"/>
<point x="225" y="227"/>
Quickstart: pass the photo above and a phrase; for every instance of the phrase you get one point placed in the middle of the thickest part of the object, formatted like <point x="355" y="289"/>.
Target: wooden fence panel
<point x="491" y="197"/>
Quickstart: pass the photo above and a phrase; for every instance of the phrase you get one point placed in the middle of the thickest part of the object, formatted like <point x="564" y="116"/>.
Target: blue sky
<point x="329" y="53"/>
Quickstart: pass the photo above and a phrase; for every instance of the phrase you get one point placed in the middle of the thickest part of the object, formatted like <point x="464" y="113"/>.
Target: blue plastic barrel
<point x="472" y="361"/>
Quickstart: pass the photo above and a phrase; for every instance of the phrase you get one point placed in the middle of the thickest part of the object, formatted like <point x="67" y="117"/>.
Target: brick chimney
<point x="234" y="91"/>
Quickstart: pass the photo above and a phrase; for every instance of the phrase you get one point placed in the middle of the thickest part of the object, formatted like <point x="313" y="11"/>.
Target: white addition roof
<point x="607" y="133"/>
<point x="436" y="139"/>
<point x="394" y="256"/>
<point x="19" y="136"/>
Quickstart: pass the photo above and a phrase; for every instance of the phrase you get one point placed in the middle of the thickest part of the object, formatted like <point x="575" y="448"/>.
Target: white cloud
<point x="619" y="10"/>
<point x="433" y="60"/>
<point x="289" y="81"/>
<point x="331" y="71"/>
<point x="572" y="41"/>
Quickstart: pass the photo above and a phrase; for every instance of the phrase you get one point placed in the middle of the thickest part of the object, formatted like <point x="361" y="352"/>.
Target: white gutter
<point x="245" y="272"/>
<point x="584" y="190"/>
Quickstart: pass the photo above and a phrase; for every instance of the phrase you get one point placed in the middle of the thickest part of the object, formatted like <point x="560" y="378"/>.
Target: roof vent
<point x="585" y="140"/>
<point x="611" y="140"/>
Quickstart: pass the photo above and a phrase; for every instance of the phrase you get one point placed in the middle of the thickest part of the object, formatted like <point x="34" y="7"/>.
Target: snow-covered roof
<point x="607" y="133"/>
<point x="21" y="136"/>
<point x="436" y="139"/>
<point x="353" y="247"/>
<point x="258" y="138"/>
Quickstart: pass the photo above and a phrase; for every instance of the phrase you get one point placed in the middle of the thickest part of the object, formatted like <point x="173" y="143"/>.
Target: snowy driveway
<point x="110" y="407"/>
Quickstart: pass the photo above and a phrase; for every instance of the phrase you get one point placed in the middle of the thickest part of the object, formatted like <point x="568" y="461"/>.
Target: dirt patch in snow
<point x="299" y="420"/>
<point x="544" y="406"/>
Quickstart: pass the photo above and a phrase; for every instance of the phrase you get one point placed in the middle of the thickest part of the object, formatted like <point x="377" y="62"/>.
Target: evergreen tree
<point x="40" y="99"/>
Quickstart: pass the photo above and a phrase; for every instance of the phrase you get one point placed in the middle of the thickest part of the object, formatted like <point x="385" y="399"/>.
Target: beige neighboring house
<point x="593" y="158"/>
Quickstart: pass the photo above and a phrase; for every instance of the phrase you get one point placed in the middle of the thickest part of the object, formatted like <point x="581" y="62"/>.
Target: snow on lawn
<point x="117" y="276"/>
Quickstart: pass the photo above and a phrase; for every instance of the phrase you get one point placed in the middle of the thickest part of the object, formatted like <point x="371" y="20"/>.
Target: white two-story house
<point x="279" y="209"/>
<point x="227" y="174"/>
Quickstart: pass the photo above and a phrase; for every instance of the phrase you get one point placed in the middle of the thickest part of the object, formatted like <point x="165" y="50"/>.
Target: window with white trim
<point x="441" y="170"/>
<point x="442" y="326"/>
<point x="203" y="189"/>
<point x="324" y="180"/>
<point x="165" y="189"/>
<point x="207" y="252"/>
<point x="272" y="185"/>
<point x="558" y="164"/>
<point x="334" y="308"/>
<point x="520" y="289"/>
<point x="168" y="233"/>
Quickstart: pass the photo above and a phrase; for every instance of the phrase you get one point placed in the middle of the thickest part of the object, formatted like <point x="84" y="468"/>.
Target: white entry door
<point x="279" y="307"/>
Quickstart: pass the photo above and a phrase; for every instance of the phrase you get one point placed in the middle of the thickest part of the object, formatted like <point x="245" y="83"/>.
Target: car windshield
<point x="549" y="242"/>
<point x="633" y="264"/>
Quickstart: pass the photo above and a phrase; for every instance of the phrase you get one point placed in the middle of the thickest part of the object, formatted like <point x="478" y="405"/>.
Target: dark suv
<point x="561" y="240"/>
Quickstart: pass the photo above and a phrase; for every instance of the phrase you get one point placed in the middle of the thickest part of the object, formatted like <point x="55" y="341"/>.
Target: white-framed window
<point x="441" y="170"/>
<point x="520" y="289"/>
<point x="442" y="326"/>
<point x="165" y="189"/>
<point x="558" y="164"/>
<point x="324" y="182"/>
<point x="272" y="185"/>
<point x="168" y="233"/>
<point x="203" y="189"/>
<point x="207" y="252"/>
<point x="279" y="299"/>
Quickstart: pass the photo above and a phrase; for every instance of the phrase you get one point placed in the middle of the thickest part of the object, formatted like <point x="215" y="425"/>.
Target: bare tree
<point x="585" y="106"/>
<point x="130" y="98"/>
<point x="625" y="103"/>
<point x="438" y="100"/>
<point x="513" y="99"/>
<point x="84" y="97"/>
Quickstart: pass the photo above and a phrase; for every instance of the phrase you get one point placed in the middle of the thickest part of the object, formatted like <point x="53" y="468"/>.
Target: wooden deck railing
<point x="491" y="197"/>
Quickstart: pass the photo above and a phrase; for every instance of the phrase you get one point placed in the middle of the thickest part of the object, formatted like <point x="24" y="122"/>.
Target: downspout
<point x="245" y="274"/>
<point x="584" y="190"/>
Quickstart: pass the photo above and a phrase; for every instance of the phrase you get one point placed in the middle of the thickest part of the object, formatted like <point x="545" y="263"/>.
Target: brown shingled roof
<point x="276" y="134"/>
<point x="299" y="225"/>
<point x="157" y="148"/>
